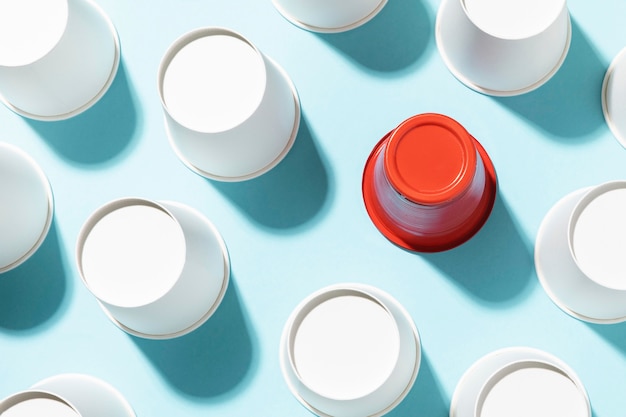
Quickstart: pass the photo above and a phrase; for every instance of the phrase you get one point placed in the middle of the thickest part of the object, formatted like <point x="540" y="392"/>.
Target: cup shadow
<point x="99" y="134"/>
<point x="569" y="105"/>
<point x="215" y="359"/>
<point x="496" y="265"/>
<point x="290" y="194"/>
<point x="393" y="40"/>
<point x="32" y="294"/>
<point x="425" y="398"/>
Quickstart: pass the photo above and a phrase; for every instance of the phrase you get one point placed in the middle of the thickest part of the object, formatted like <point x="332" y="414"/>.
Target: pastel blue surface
<point x="303" y="225"/>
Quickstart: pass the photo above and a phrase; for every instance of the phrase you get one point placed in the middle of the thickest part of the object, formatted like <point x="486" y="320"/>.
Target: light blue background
<point x="303" y="225"/>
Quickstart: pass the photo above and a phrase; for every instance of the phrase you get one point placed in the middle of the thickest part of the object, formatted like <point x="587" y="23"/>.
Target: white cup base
<point x="203" y="227"/>
<point x="95" y="98"/>
<point x="441" y="29"/>
<point x="613" y="100"/>
<point x="467" y="391"/>
<point x="557" y="270"/>
<point x="312" y="28"/>
<point x="266" y="168"/>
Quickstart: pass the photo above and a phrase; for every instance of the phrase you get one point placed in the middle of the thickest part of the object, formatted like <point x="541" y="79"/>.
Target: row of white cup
<point x="351" y="350"/>
<point x="236" y="115"/>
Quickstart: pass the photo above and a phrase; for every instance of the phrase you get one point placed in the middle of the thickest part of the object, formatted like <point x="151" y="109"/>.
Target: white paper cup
<point x="519" y="381"/>
<point x="67" y="395"/>
<point x="158" y="269"/>
<point x="614" y="97"/>
<point x="350" y="350"/>
<point x="57" y="57"/>
<point x="329" y="16"/>
<point x="503" y="48"/>
<point x="532" y="388"/>
<point x="579" y="253"/>
<point x="231" y="113"/>
<point x="26" y="206"/>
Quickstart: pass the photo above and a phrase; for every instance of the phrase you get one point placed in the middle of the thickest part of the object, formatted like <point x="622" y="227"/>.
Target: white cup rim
<point x="459" y="74"/>
<point x="560" y="276"/>
<point x="33" y="165"/>
<point x="618" y="62"/>
<point x="32" y="394"/>
<point x="513" y="38"/>
<point x="321" y="29"/>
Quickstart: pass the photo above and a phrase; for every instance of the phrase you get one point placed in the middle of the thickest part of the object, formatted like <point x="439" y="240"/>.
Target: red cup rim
<point x="450" y="160"/>
<point x="432" y="243"/>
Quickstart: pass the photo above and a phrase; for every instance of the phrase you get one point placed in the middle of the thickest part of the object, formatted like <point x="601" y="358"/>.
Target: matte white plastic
<point x="531" y="388"/>
<point x="247" y="141"/>
<point x="329" y="15"/>
<point x="180" y="302"/>
<point x="313" y="334"/>
<point x="26" y="206"/>
<point x="614" y="97"/>
<point x="75" y="72"/>
<point x="495" y="49"/>
<point x="579" y="294"/>
<point x="482" y="375"/>
<point x="90" y="396"/>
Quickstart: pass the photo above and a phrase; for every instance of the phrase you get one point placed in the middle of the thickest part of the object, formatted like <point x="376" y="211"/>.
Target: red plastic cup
<point x="428" y="185"/>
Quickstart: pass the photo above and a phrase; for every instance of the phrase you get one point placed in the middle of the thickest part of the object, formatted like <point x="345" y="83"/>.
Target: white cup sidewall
<point x="74" y="72"/>
<point x="35" y="219"/>
<point x="16" y="398"/>
<point x="387" y="395"/>
<point x="196" y="292"/>
<point x="249" y="147"/>
<point x="327" y="14"/>
<point x="498" y="64"/>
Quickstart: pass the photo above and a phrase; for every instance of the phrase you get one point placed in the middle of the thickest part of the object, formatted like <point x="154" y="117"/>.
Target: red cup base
<point x="435" y="242"/>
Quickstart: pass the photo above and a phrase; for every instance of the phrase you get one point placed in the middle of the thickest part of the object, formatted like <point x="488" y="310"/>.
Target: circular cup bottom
<point x="208" y="229"/>
<point x="435" y="243"/>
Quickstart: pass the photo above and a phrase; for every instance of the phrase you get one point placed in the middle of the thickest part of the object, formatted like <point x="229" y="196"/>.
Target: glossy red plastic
<point x="430" y="160"/>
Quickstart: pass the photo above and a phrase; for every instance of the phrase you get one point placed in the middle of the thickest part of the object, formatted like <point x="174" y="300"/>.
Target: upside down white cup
<point x="350" y="350"/>
<point x="328" y="16"/>
<point x="614" y="97"/>
<point x="158" y="269"/>
<point x="231" y="113"/>
<point x="579" y="253"/>
<point x="26" y="206"/>
<point x="503" y="48"/>
<point x="532" y="388"/>
<point x="57" y="57"/>
<point x="67" y="395"/>
<point x="519" y="381"/>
